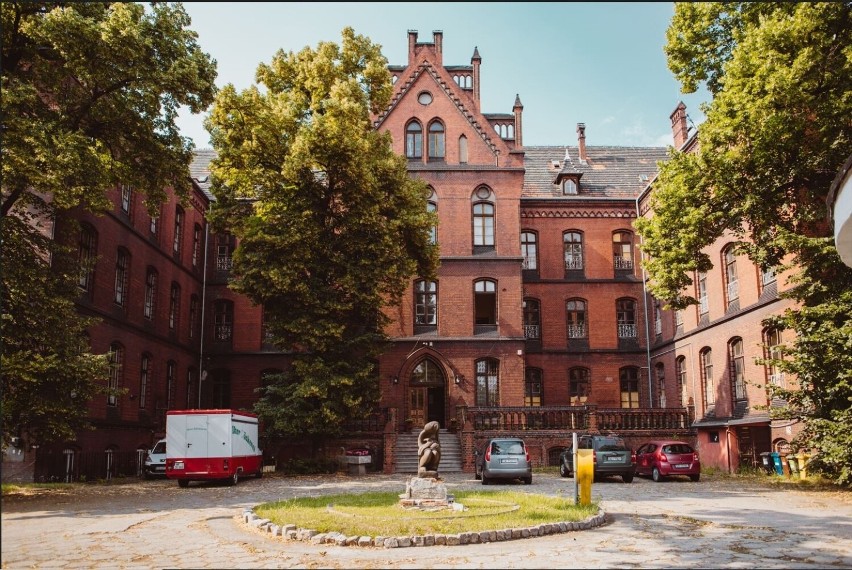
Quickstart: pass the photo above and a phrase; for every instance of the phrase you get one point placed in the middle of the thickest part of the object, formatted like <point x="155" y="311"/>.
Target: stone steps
<point x="407" y="460"/>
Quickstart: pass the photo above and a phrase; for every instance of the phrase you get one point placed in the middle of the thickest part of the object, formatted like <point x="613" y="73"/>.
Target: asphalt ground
<point x="719" y="522"/>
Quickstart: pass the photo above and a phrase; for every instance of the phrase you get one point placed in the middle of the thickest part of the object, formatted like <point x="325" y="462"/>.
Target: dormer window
<point x="569" y="187"/>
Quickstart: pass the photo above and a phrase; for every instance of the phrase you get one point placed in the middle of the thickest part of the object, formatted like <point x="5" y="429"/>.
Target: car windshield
<point x="677" y="448"/>
<point x="159" y="448"/>
<point x="611" y="445"/>
<point x="507" y="448"/>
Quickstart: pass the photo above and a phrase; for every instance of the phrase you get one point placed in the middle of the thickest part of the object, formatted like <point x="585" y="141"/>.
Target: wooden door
<point x="417" y="406"/>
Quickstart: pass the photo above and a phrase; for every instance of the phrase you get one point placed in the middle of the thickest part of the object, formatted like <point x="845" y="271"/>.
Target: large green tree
<point x="330" y="226"/>
<point x="90" y="93"/>
<point x="776" y="133"/>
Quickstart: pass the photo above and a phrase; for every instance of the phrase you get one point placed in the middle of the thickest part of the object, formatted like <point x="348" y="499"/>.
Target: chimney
<point x="518" y="109"/>
<point x="581" y="142"/>
<point x="412" y="41"/>
<point x="438" y="38"/>
<point x="476" y="61"/>
<point x="680" y="132"/>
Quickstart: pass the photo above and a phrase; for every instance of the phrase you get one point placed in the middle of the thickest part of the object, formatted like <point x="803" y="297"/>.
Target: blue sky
<point x="601" y="64"/>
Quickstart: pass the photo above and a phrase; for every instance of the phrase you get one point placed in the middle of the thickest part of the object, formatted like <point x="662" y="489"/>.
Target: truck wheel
<point x="234" y="479"/>
<point x="259" y="473"/>
<point x="183" y="483"/>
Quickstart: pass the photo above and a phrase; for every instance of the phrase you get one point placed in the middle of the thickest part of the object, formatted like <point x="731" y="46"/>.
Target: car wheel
<point x="695" y="477"/>
<point x="627" y="478"/>
<point x="183" y="483"/>
<point x="476" y="474"/>
<point x="484" y="479"/>
<point x="527" y="480"/>
<point x="563" y="471"/>
<point x="656" y="476"/>
<point x="147" y="476"/>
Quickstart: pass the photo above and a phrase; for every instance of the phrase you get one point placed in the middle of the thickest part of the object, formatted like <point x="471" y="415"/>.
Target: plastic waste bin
<point x="767" y="462"/>
<point x="793" y="462"/>
<point x="803" y="462"/>
<point x="776" y="463"/>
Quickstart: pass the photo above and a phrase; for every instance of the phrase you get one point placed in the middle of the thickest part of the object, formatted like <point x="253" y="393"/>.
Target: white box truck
<point x="212" y="444"/>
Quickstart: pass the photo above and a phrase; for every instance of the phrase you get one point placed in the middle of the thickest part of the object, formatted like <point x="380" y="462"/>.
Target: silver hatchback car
<point x="503" y="458"/>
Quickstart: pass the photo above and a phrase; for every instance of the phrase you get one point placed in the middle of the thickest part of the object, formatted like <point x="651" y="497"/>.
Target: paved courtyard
<point x="716" y="523"/>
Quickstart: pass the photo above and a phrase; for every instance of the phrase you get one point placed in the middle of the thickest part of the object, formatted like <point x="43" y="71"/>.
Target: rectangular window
<point x="532" y="387"/>
<point x="528" y="250"/>
<point x="738" y="370"/>
<point x="150" y="294"/>
<point x="579" y="384"/>
<point x="193" y="316"/>
<point x="532" y="319"/>
<point x="573" y="251"/>
<point x="174" y="306"/>
<point x="426" y="302"/>
<point x="707" y="378"/>
<point x="626" y="317"/>
<point x="86" y="256"/>
<point x="116" y="372"/>
<point x="196" y="245"/>
<point x="178" y="233"/>
<point x="126" y="199"/>
<point x="487" y="382"/>
<point x="629" y="388"/>
<point x="703" y="304"/>
<point x="170" y="384"/>
<point x="575" y="312"/>
<point x="483" y="224"/>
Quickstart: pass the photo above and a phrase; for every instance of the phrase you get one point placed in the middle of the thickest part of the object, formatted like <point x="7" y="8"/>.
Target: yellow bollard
<point x="585" y="473"/>
<point x="803" y="461"/>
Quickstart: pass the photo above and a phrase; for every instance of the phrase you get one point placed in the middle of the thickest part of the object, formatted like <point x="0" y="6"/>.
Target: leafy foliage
<point x="90" y="96"/>
<point x="330" y="227"/>
<point x="776" y="133"/>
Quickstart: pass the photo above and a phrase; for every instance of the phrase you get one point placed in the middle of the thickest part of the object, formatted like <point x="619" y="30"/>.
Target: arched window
<point x="529" y="250"/>
<point x="661" y="384"/>
<point x="629" y="380"/>
<point x="174" y="306"/>
<point x="223" y="315"/>
<point x="425" y="302"/>
<point x="572" y="244"/>
<point x="150" y="293"/>
<point x="732" y="284"/>
<point x="221" y="389"/>
<point x="625" y="311"/>
<point x="483" y="223"/>
<point x="431" y="206"/>
<point x="703" y="302"/>
<point x="485" y="301"/>
<point x="122" y="276"/>
<point x="579" y="385"/>
<point x="87" y="253"/>
<point x="116" y="372"/>
<point x="193" y="315"/>
<point x="680" y="367"/>
<point x="622" y="250"/>
<point x="171" y="379"/>
<point x="427" y="371"/>
<point x="144" y="379"/>
<point x="462" y="149"/>
<point x="773" y="345"/>
<point x="487" y="382"/>
<point x="532" y="387"/>
<point x="532" y="319"/>
<point x="178" y="237"/>
<point x="575" y="318"/>
<point x="737" y="357"/>
<point x="436" y="140"/>
<point x="709" y="387"/>
<point x="414" y="140"/>
<point x="196" y="245"/>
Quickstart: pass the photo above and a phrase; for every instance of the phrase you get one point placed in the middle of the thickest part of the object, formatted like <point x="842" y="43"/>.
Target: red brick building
<point x="536" y="321"/>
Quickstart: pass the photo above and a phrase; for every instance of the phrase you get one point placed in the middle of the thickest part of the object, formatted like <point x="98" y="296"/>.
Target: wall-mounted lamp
<point x="395" y="380"/>
<point x="457" y="378"/>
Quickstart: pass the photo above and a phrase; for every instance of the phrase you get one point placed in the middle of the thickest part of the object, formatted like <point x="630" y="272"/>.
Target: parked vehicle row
<point x="508" y="459"/>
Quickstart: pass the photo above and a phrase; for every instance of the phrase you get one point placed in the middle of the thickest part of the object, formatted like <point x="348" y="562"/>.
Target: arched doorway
<point x="427" y="393"/>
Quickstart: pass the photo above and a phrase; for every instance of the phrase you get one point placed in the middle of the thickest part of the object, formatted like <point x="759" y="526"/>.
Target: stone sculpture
<point x="429" y="450"/>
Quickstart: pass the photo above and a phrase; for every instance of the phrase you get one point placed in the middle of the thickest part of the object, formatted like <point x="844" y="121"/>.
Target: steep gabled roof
<point x="448" y="87"/>
<point x="609" y="172"/>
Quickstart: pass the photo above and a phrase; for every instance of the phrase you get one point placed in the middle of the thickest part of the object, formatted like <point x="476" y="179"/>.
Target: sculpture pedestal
<point x="425" y="493"/>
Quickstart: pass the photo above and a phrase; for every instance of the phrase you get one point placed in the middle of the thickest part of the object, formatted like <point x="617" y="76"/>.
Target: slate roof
<point x="609" y="171"/>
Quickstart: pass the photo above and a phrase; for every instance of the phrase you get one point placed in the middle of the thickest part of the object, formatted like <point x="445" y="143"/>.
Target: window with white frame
<point x="575" y="316"/>
<point x="732" y="285"/>
<point x="485" y="302"/>
<point x="774" y="351"/>
<point x="529" y="250"/>
<point x="625" y="312"/>
<point x="572" y="244"/>
<point x="116" y="373"/>
<point x="414" y="140"/>
<point x="425" y="302"/>
<point x="661" y="384"/>
<point x="703" y="302"/>
<point x="738" y="384"/>
<point x="709" y="385"/>
<point x="622" y="250"/>
<point x="680" y="368"/>
<point x="122" y="275"/>
<point x="483" y="224"/>
<point x="436" y="140"/>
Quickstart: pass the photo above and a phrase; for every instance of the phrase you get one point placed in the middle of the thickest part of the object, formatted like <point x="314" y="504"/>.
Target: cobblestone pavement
<point x="716" y="523"/>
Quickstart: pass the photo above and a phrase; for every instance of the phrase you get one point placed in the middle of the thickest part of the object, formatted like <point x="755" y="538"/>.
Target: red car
<point x="662" y="458"/>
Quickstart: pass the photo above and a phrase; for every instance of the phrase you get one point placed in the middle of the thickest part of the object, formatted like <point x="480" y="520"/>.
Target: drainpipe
<point x="201" y="372"/>
<point x="647" y="328"/>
